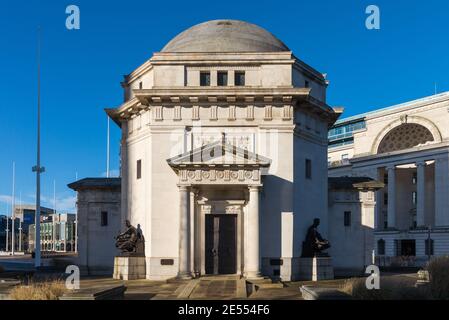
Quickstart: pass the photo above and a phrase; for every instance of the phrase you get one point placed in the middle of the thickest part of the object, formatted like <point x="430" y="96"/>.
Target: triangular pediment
<point x="219" y="153"/>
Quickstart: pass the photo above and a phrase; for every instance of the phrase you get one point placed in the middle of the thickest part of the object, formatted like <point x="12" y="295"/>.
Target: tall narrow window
<point x="239" y="78"/>
<point x="139" y="169"/>
<point x="347" y="218"/>
<point x="308" y="169"/>
<point x="104" y="218"/>
<point x="414" y="198"/>
<point x="204" y="79"/>
<point x="414" y="177"/>
<point x="429" y="247"/>
<point x="222" y="78"/>
<point x="306" y="84"/>
<point x="381" y="247"/>
<point x="140" y="85"/>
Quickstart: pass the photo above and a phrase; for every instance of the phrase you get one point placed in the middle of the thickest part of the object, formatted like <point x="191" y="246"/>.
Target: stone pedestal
<point x="316" y="268"/>
<point x="129" y="268"/>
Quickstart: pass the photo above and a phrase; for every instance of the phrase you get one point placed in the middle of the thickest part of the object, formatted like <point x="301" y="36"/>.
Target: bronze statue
<point x="131" y="240"/>
<point x="314" y="244"/>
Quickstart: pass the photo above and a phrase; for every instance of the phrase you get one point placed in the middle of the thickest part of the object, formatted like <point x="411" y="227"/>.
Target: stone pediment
<point x="218" y="154"/>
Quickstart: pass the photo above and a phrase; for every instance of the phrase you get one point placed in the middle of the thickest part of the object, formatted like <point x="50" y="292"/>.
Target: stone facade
<point x="193" y="148"/>
<point x="407" y="147"/>
<point x="99" y="217"/>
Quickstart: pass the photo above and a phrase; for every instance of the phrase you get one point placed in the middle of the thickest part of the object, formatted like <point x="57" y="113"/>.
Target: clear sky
<point x="82" y="69"/>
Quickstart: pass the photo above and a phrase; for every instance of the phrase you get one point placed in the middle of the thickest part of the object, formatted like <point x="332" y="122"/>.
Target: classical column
<point x="420" y="193"/>
<point x="391" y="211"/>
<point x="184" y="232"/>
<point x="252" y="264"/>
<point x="442" y="192"/>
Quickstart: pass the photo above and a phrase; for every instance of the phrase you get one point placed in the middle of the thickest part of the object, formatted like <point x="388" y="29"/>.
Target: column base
<point x="253" y="275"/>
<point x="184" y="276"/>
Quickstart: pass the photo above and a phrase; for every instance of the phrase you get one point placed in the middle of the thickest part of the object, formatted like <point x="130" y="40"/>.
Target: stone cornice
<point x="199" y="96"/>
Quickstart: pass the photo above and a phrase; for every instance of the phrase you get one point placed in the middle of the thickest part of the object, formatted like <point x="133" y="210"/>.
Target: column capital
<point x="254" y="187"/>
<point x="184" y="187"/>
<point x="391" y="167"/>
<point x="420" y="163"/>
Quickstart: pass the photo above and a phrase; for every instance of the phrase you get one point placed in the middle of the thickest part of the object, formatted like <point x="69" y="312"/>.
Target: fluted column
<point x="391" y="211"/>
<point x="420" y="193"/>
<point x="252" y="263"/>
<point x="184" y="232"/>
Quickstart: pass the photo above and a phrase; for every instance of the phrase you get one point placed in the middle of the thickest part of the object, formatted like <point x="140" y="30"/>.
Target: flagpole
<point x="107" y="152"/>
<point x="13" y="203"/>
<point x="54" y="216"/>
<point x="38" y="169"/>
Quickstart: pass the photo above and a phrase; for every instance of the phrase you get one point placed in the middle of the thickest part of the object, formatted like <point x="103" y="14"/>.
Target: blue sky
<point x="82" y="69"/>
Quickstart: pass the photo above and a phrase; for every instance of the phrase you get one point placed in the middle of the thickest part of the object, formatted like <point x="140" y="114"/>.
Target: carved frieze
<point x="219" y="176"/>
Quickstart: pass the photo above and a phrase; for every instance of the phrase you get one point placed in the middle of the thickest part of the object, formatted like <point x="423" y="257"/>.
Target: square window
<point x="139" y="169"/>
<point x="308" y="169"/>
<point x="222" y="78"/>
<point x="204" y="79"/>
<point x="347" y="218"/>
<point x="239" y="78"/>
<point x="104" y="218"/>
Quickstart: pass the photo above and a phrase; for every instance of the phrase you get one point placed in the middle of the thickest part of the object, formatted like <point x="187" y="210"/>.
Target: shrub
<point x="439" y="277"/>
<point x="390" y="289"/>
<point x="49" y="290"/>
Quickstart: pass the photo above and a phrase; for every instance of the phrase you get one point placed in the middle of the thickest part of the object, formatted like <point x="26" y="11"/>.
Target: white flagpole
<point x="107" y="152"/>
<point x="54" y="217"/>
<point x="76" y="220"/>
<point x="13" y="209"/>
<point x="38" y="169"/>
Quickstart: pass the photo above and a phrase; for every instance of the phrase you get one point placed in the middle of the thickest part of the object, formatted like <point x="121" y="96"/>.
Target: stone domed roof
<point x="225" y="36"/>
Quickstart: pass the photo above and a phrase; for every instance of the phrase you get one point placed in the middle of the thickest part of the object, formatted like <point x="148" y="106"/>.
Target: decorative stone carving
<point x="241" y="176"/>
<point x="405" y="136"/>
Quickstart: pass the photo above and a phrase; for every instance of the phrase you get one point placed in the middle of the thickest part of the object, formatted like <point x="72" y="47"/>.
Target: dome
<point x="225" y="36"/>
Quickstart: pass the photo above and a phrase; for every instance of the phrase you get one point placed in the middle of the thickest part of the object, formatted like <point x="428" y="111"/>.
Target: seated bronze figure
<point x="131" y="240"/>
<point x="314" y="244"/>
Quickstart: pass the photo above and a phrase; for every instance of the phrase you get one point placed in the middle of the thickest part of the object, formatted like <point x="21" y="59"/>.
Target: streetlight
<point x="37" y="168"/>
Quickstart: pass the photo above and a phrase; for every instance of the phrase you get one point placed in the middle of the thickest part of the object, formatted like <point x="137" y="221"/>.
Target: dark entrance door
<point x="408" y="248"/>
<point x="221" y="244"/>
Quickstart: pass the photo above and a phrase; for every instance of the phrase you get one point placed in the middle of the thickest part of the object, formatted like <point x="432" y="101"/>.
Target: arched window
<point x="381" y="247"/>
<point x="405" y="136"/>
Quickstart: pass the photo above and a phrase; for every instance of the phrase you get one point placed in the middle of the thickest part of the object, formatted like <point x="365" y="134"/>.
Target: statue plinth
<point x="316" y="268"/>
<point x="129" y="267"/>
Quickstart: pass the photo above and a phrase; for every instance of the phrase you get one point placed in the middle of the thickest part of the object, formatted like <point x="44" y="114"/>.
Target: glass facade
<point x="342" y="134"/>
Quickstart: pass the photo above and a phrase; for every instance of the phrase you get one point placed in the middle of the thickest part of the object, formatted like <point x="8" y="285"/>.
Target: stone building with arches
<point x="405" y="147"/>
